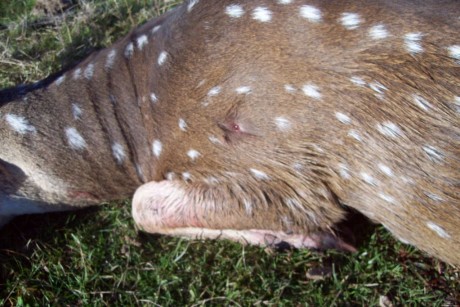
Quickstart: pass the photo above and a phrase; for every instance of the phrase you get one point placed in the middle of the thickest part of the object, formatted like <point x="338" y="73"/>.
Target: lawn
<point x="96" y="257"/>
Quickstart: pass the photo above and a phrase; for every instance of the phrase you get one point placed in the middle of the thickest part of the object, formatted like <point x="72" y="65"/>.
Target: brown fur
<point x="205" y="49"/>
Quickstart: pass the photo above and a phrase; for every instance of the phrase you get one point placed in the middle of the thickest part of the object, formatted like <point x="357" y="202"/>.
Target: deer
<point x="261" y="122"/>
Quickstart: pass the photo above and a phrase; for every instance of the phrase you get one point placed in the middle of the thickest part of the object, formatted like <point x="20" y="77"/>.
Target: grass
<point x="96" y="257"/>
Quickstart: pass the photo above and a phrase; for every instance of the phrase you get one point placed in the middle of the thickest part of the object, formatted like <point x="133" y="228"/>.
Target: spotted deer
<point x="256" y="121"/>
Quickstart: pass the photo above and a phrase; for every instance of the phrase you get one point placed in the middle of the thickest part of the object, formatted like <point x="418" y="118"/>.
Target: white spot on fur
<point x="289" y="88"/>
<point x="211" y="180"/>
<point x="454" y="52"/>
<point x="234" y="10"/>
<point x="343" y="118"/>
<point x="379" y="88"/>
<point x="407" y="180"/>
<point x="457" y="103"/>
<point x="214" y="140"/>
<point x="214" y="91"/>
<point x="344" y="171"/>
<point x="110" y="59"/>
<point x="389" y="129"/>
<point x="191" y="4"/>
<point x="186" y="176"/>
<point x="310" y="13"/>
<point x="193" y="154"/>
<point x="355" y="135"/>
<point x="284" y="1"/>
<point x="232" y="174"/>
<point x="155" y="29"/>
<point x="318" y="148"/>
<point x="170" y="176"/>
<point x="74" y="138"/>
<point x="142" y="41"/>
<point x="201" y="83"/>
<point x="247" y="206"/>
<point x="295" y="205"/>
<point x="311" y="91"/>
<point x="421" y="102"/>
<point x="350" y="21"/>
<point x="157" y="147"/>
<point x="182" y="124"/>
<point x="205" y="103"/>
<point x="387" y="198"/>
<point x="19" y="124"/>
<point x="77" y="73"/>
<point x="162" y="58"/>
<point x="76" y="111"/>
<point x="262" y="14"/>
<point x="282" y="123"/>
<point x="287" y="222"/>
<point x="438" y="229"/>
<point x="243" y="90"/>
<point x="378" y="32"/>
<point x="386" y="170"/>
<point x="259" y="174"/>
<point x="412" y="42"/>
<point x="60" y="80"/>
<point x="434" y="197"/>
<point x="129" y="50"/>
<point x="118" y="152"/>
<point x="358" y="81"/>
<point x="89" y="71"/>
<point x="139" y="171"/>
<point x="434" y="154"/>
<point x="368" y="179"/>
<point x="153" y="98"/>
<point x="298" y="167"/>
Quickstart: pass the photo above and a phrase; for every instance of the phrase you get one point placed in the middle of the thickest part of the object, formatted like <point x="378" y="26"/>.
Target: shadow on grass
<point x="117" y="250"/>
<point x="17" y="236"/>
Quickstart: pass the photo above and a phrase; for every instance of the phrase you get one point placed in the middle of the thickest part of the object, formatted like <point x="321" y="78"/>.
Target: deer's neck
<point x="96" y="119"/>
